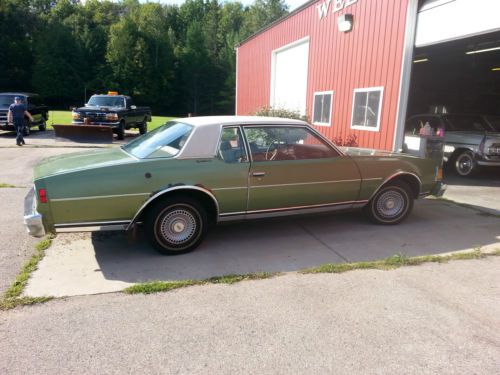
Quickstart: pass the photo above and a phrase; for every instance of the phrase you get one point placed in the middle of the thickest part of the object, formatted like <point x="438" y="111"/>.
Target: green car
<point x="181" y="178"/>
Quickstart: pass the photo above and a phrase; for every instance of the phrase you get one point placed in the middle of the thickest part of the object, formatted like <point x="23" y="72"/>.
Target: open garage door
<point x="456" y="66"/>
<point x="455" y="80"/>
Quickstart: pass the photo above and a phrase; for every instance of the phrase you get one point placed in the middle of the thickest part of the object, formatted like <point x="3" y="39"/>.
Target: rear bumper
<point x="439" y="189"/>
<point x="32" y="219"/>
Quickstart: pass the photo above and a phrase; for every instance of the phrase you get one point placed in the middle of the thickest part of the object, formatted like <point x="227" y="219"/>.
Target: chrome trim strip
<point x="230" y="188"/>
<point x="395" y="175"/>
<point x="97" y="197"/>
<point x="372" y="179"/>
<point x="97" y="228"/>
<point x="304" y="183"/>
<point x="92" y="223"/>
<point x="295" y="208"/>
<point x="489" y="163"/>
<point x="168" y="190"/>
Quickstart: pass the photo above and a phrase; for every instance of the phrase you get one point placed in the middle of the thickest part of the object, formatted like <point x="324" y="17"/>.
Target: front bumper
<point x="6" y="126"/>
<point x="439" y="189"/>
<point x="101" y="123"/>
<point x="32" y="219"/>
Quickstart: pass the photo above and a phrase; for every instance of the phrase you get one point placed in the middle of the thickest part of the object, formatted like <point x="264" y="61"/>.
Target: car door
<point x="229" y="173"/>
<point x="294" y="168"/>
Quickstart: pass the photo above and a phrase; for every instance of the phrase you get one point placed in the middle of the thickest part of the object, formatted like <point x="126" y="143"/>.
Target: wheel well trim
<point x="169" y="190"/>
<point x="392" y="177"/>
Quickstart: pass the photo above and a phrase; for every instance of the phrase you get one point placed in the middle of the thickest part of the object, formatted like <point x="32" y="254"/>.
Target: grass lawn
<point x="64" y="118"/>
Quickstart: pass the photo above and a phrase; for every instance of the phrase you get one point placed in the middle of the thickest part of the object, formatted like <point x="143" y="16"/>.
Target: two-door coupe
<point x="193" y="172"/>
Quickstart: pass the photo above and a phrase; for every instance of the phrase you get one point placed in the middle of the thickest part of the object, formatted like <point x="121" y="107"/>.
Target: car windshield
<point x="7" y="100"/>
<point x="163" y="142"/>
<point x="106" y="101"/>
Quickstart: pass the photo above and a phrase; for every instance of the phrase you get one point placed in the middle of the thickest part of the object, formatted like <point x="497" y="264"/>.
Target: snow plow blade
<point x="84" y="133"/>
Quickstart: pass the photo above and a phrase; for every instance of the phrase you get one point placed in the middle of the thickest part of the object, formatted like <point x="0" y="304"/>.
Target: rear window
<point x="466" y="123"/>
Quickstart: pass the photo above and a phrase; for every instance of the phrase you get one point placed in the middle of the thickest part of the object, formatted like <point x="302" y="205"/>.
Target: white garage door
<point x="289" y="76"/>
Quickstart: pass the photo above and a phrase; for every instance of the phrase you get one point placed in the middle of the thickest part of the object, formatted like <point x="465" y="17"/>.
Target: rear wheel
<point x="176" y="225"/>
<point x="465" y="165"/>
<point x="26" y="128"/>
<point x="120" y="132"/>
<point x="391" y="204"/>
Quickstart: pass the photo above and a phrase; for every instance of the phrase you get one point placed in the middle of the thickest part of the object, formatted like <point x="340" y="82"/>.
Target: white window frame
<point x="317" y="93"/>
<point x="274" y="54"/>
<point x="368" y="89"/>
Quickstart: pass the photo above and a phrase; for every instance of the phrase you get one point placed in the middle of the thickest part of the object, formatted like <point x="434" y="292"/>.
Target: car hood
<point x="81" y="161"/>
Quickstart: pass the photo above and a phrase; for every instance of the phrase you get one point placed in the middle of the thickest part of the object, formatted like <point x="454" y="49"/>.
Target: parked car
<point x="115" y="111"/>
<point x="34" y="105"/>
<point x="193" y="172"/>
<point x="471" y="142"/>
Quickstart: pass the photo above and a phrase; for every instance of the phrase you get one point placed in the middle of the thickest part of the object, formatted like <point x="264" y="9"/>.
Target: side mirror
<point x="133" y="107"/>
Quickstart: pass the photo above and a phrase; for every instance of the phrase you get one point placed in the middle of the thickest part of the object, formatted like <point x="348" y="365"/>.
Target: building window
<point x="366" y="108"/>
<point x="322" y="108"/>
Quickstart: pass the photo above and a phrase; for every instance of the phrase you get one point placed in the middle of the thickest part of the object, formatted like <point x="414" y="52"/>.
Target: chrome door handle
<point x="258" y="174"/>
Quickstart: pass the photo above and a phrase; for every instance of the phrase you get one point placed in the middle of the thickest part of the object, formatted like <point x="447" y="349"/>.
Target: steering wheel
<point x="271" y="154"/>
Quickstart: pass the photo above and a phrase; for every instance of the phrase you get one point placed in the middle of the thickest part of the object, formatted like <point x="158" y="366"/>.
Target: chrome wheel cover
<point x="464" y="164"/>
<point x="178" y="226"/>
<point x="391" y="204"/>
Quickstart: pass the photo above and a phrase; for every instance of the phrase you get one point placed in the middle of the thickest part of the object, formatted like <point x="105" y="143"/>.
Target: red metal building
<point x="343" y="63"/>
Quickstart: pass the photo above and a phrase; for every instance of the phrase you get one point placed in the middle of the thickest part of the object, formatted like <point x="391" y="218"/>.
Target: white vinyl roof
<point x="203" y="141"/>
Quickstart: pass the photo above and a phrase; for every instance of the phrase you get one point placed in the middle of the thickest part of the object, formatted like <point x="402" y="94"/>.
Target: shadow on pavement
<point x="292" y="244"/>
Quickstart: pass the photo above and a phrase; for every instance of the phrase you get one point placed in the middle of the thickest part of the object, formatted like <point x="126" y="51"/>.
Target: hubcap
<point x="391" y="204"/>
<point x="464" y="164"/>
<point x="178" y="226"/>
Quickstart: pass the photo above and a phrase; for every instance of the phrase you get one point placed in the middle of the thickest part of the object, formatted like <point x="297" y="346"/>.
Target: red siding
<point x="370" y="55"/>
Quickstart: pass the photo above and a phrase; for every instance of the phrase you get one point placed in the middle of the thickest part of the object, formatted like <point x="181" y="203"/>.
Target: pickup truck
<point x="471" y="142"/>
<point x="34" y="105"/>
<point x="115" y="111"/>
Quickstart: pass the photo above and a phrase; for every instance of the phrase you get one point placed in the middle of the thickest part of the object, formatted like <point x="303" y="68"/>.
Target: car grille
<point x="3" y="116"/>
<point x="94" y="116"/>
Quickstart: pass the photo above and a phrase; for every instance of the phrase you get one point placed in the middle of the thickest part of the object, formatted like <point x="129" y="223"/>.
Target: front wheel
<point x="120" y="132"/>
<point x="143" y="128"/>
<point x="465" y="165"/>
<point x="176" y="225"/>
<point x="391" y="204"/>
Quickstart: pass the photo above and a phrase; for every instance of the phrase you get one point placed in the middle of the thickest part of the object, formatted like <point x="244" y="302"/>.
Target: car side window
<point x="231" y="148"/>
<point x="270" y="143"/>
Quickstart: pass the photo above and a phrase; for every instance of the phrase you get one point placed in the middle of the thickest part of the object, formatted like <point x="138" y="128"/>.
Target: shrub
<point x="350" y="141"/>
<point x="280" y="112"/>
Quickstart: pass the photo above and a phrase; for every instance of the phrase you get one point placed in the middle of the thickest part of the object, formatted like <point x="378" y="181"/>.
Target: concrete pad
<point x="16" y="246"/>
<point x="434" y="226"/>
<point x="79" y="264"/>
